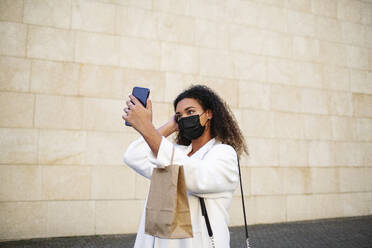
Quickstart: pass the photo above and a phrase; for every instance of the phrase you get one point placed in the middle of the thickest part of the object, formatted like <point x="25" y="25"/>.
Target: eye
<point x="190" y="111"/>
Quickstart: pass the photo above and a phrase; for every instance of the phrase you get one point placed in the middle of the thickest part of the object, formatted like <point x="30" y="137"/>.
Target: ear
<point x="209" y="114"/>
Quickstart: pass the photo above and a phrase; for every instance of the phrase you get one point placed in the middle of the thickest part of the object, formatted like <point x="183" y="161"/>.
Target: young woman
<point x="207" y="144"/>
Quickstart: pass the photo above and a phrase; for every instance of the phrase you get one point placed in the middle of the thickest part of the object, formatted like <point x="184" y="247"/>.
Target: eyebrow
<point x="186" y="109"/>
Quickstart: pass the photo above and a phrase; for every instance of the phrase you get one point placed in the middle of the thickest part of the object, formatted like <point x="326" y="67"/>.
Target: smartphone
<point x="141" y="94"/>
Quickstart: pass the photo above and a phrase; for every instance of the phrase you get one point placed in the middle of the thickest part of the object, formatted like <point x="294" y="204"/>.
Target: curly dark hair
<point x="223" y="124"/>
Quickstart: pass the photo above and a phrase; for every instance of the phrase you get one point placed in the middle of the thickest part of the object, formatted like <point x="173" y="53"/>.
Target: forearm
<point x="152" y="137"/>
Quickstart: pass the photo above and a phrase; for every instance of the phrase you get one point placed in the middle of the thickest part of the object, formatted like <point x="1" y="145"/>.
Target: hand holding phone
<point x="141" y="94"/>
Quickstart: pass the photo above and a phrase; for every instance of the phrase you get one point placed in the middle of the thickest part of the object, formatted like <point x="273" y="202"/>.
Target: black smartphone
<point x="141" y="94"/>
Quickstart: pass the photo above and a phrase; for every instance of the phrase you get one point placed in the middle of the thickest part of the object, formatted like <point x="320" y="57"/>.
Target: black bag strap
<point x="205" y="214"/>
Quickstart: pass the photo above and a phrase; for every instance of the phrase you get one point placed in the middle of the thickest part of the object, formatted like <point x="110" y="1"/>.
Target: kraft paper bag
<point x="167" y="209"/>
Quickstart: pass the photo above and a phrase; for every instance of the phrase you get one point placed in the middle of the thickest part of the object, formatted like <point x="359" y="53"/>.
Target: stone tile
<point x="18" y="146"/>
<point x="356" y="204"/>
<point x="54" y="77"/>
<point x="107" y="148"/>
<point x="110" y="217"/>
<point x="179" y="7"/>
<point x="340" y="103"/>
<point x="94" y="48"/>
<point x="258" y="210"/>
<point x="154" y="80"/>
<point x="343" y="128"/>
<point x="362" y="105"/>
<point x="14" y="74"/>
<point x="357" y="57"/>
<point x="293" y="153"/>
<point x="103" y="114"/>
<point x="333" y="53"/>
<point x="48" y="13"/>
<point x="299" y="5"/>
<point x="320" y="153"/>
<point x="61" y="147"/>
<point x="305" y="48"/>
<point x="11" y="10"/>
<point x="142" y="186"/>
<point x="317" y="127"/>
<point x="227" y="89"/>
<point x="175" y="83"/>
<point x="349" y="10"/>
<point x="212" y="34"/>
<point x="285" y="98"/>
<point x="13" y="39"/>
<point x="352" y="179"/>
<point x="347" y="154"/>
<point x="273" y="18"/>
<point x="139" y="53"/>
<point x="262" y="152"/>
<point x="20" y="183"/>
<point x="309" y="75"/>
<point x="288" y="125"/>
<point x="93" y="16"/>
<point x="69" y="218"/>
<point x="309" y="207"/>
<point x="267" y="181"/>
<point x="364" y="129"/>
<point x="176" y="28"/>
<point x="254" y="95"/>
<point x="246" y="67"/>
<point x="301" y="23"/>
<point x="324" y="8"/>
<point x="214" y="10"/>
<point x="328" y="29"/>
<point x="62" y="112"/>
<point x="26" y="219"/>
<point x="246" y="38"/>
<point x="366" y="13"/>
<point x="185" y="59"/>
<point x="353" y="33"/>
<point x="258" y="123"/>
<point x="16" y="109"/>
<point x="101" y="81"/>
<point x="281" y="71"/>
<point x="336" y="78"/>
<point x="66" y="182"/>
<point x="277" y="44"/>
<point x="50" y="43"/>
<point x="296" y="180"/>
<point x="325" y="180"/>
<point x="243" y="12"/>
<point x="113" y="182"/>
<point x="137" y="22"/>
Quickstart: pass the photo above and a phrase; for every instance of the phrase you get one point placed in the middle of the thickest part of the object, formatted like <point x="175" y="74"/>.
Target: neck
<point x="199" y="142"/>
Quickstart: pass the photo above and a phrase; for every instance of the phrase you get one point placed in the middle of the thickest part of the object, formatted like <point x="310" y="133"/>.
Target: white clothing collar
<point x="204" y="149"/>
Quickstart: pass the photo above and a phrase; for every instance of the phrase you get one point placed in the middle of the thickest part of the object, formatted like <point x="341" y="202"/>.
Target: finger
<point x="134" y="100"/>
<point x="129" y="103"/>
<point x="149" y="104"/>
<point x="126" y="110"/>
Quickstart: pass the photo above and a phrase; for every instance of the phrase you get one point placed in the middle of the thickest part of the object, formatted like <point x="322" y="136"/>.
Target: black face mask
<point x="190" y="127"/>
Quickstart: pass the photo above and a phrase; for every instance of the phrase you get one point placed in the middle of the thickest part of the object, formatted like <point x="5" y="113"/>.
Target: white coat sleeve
<point x="217" y="172"/>
<point x="138" y="156"/>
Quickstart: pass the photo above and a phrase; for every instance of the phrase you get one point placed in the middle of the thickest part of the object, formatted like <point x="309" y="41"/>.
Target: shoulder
<point x="223" y="149"/>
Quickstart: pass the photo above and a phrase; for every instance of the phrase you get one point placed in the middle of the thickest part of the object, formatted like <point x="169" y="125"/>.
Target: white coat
<point x="211" y="173"/>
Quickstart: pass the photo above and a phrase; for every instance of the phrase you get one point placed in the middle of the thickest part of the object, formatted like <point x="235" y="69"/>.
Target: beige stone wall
<point x="297" y="74"/>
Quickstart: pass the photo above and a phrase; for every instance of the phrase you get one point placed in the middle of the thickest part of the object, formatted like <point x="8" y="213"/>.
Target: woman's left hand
<point x="137" y="115"/>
